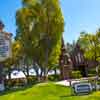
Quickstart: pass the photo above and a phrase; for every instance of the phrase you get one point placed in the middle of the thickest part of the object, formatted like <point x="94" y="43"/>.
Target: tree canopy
<point x="40" y="25"/>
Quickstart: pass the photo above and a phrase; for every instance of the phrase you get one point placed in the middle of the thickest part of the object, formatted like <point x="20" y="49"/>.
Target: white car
<point x="80" y="88"/>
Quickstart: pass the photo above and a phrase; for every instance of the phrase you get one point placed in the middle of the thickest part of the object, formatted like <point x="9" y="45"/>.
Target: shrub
<point x="15" y="82"/>
<point x="76" y="74"/>
<point x="92" y="72"/>
<point x="54" y="77"/>
<point x="32" y="79"/>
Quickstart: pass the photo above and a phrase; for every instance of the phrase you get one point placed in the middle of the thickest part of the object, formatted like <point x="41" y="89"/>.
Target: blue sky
<point x="79" y="15"/>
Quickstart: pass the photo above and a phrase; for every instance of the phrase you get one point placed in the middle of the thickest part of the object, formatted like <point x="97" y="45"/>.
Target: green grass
<point x="46" y="92"/>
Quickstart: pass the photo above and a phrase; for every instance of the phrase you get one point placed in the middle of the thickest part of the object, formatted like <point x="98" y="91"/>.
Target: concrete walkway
<point x="67" y="82"/>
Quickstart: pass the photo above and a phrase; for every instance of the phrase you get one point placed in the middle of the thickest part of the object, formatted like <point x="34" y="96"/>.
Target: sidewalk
<point x="67" y="82"/>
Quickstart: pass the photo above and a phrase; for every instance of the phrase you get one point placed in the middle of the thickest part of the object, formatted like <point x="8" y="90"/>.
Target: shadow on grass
<point x="74" y="95"/>
<point x="12" y="90"/>
<point x="65" y="96"/>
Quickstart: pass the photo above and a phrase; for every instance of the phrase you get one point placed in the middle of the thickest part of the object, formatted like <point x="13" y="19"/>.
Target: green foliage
<point x="32" y="80"/>
<point x="54" y="77"/>
<point x="83" y="40"/>
<point x="90" y="43"/>
<point x="14" y="59"/>
<point x="40" y="25"/>
<point x="42" y="91"/>
<point x="76" y="74"/>
<point x="15" y="82"/>
<point x="10" y="83"/>
<point x="92" y="72"/>
<point x="98" y="82"/>
<point x="47" y="91"/>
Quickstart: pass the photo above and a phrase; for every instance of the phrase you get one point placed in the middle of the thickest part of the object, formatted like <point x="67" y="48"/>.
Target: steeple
<point x="65" y="62"/>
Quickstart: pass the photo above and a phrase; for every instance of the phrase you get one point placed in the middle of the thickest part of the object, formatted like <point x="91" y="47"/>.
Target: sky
<point x="79" y="15"/>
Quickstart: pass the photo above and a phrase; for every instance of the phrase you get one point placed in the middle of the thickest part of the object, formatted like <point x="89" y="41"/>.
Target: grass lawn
<point x="47" y="92"/>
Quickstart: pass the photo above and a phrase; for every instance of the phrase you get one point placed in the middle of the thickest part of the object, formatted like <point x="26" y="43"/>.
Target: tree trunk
<point x="45" y="74"/>
<point x="37" y="75"/>
<point x="97" y="76"/>
<point x="96" y="79"/>
<point x="55" y="71"/>
<point x="47" y="45"/>
<point x="41" y="75"/>
<point x="9" y="74"/>
<point x="27" y="75"/>
<point x="36" y="68"/>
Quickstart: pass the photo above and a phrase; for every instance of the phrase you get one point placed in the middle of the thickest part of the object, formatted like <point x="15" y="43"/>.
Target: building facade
<point x="74" y="61"/>
<point x="79" y="62"/>
<point x="65" y="63"/>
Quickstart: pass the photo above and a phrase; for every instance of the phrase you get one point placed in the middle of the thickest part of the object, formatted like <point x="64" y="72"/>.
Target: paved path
<point x="66" y="82"/>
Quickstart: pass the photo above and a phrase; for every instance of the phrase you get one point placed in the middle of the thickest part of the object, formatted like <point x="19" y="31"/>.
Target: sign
<point x="82" y="88"/>
<point x="5" y="46"/>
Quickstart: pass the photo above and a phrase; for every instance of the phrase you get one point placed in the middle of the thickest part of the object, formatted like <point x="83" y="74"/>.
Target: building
<point x="79" y="62"/>
<point x="73" y="61"/>
<point x="65" y="63"/>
